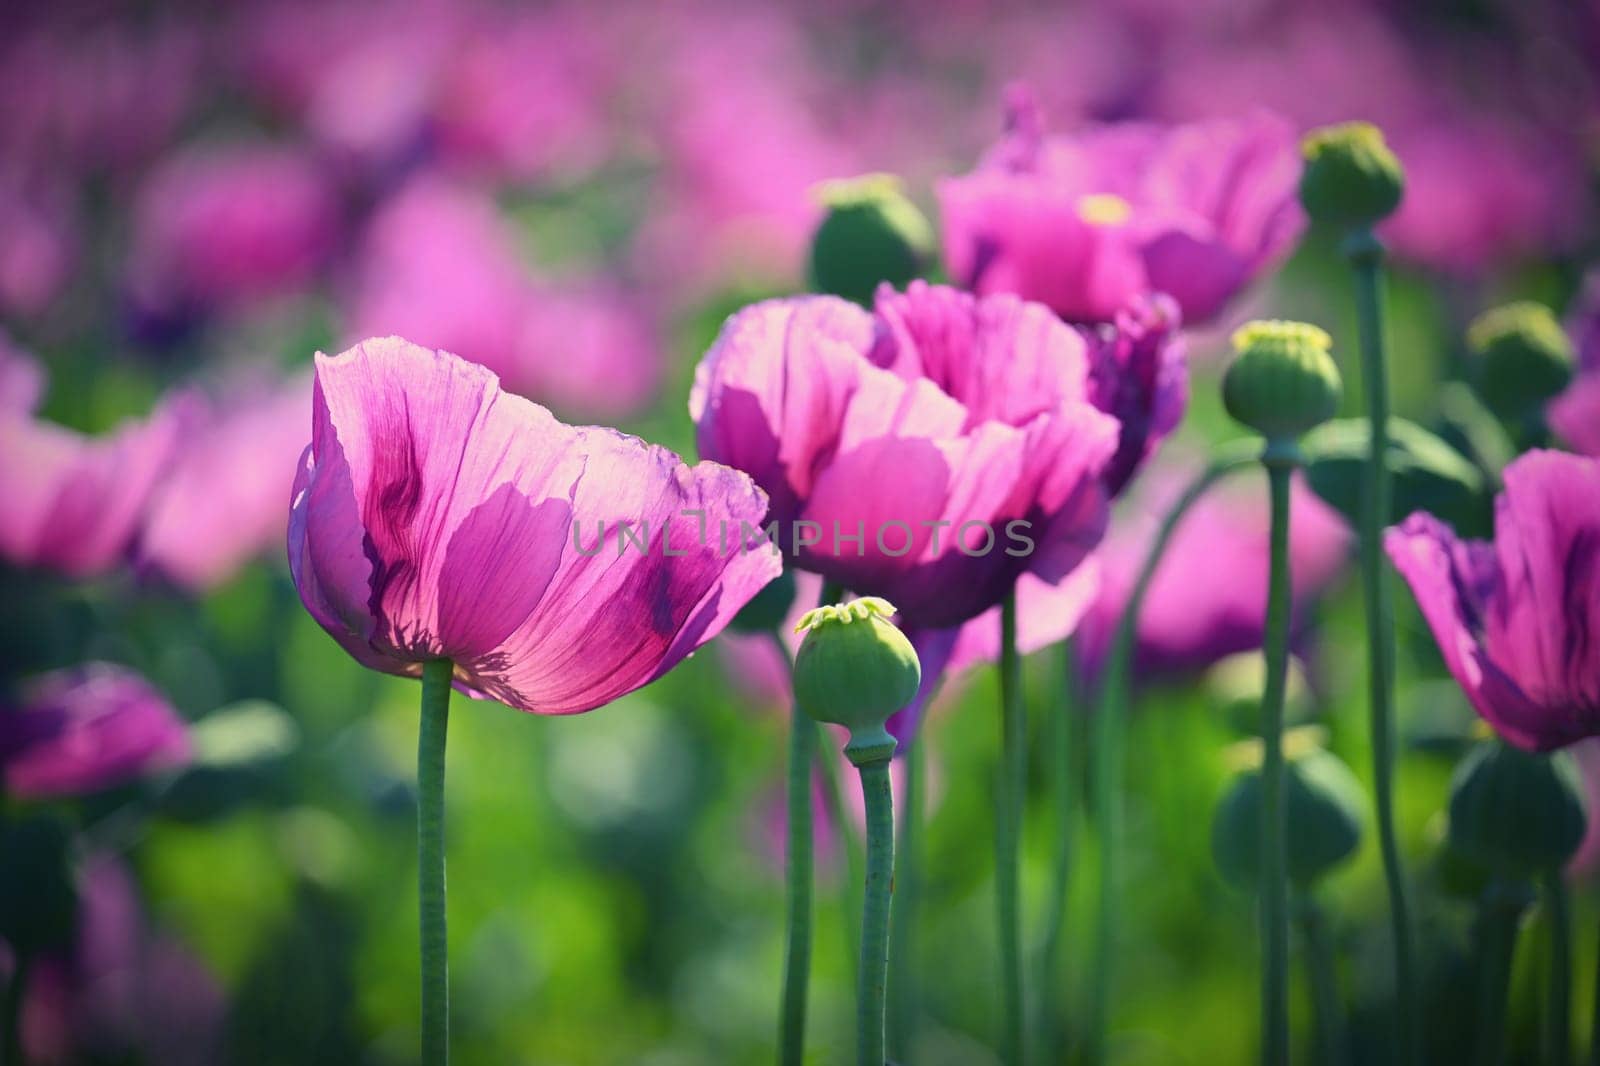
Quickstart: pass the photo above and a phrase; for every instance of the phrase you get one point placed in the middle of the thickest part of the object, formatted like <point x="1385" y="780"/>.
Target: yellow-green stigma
<point x="844" y="613"/>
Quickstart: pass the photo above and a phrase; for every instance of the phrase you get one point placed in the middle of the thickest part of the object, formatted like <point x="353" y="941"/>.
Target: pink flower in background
<point x="88" y="729"/>
<point x="1483" y="183"/>
<point x="938" y="407"/>
<point x="1208" y="597"/>
<point x="37" y="254"/>
<point x="221" y="502"/>
<point x="436" y="516"/>
<point x="21" y="379"/>
<point x="1575" y="414"/>
<point x="1090" y="221"/>
<point x="526" y="95"/>
<point x="221" y="225"/>
<point x="102" y="93"/>
<point x="74" y="503"/>
<point x="1516" y="619"/>
<point x="441" y="264"/>
<point x="123" y="988"/>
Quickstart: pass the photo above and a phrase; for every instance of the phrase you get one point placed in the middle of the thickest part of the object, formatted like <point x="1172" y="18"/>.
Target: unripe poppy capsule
<point x="871" y="234"/>
<point x="1519" y="813"/>
<point x="855" y="669"/>
<point x="1351" y="178"/>
<point x="1525" y="357"/>
<point x="1282" y="381"/>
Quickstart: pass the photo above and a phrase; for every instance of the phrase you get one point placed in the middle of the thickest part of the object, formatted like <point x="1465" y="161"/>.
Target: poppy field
<point x="855" y="532"/>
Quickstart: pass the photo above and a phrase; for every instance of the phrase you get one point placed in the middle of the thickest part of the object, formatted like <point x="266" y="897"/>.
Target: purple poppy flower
<point x="122" y="987"/>
<point x="220" y="503"/>
<point x="219" y="226"/>
<point x="86" y="729"/>
<point x="931" y="451"/>
<point x="559" y="567"/>
<point x="1088" y="222"/>
<point x="74" y="503"/>
<point x="1517" y="619"/>
<point x="1139" y="373"/>
<point x="1208" y="597"/>
<point x="1575" y="414"/>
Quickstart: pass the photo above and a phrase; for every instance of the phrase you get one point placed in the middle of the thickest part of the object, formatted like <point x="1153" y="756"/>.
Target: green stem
<point x="797" y="940"/>
<point x="430" y="862"/>
<point x="1498" y="918"/>
<point x="1323" y="975"/>
<point x="1106" y="741"/>
<point x="1365" y="253"/>
<point x="1053" y="1021"/>
<point x="1558" y="1019"/>
<point x="1594" y="1022"/>
<point x="902" y="942"/>
<point x="1009" y="791"/>
<point x="11" y="1019"/>
<point x="1274" y="816"/>
<point x="874" y="971"/>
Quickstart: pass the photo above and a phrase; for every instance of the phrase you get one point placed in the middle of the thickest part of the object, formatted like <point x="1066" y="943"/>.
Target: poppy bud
<point x="1525" y="357"/>
<point x="1518" y="813"/>
<point x="768" y="608"/>
<point x="1351" y="178"/>
<point x="1282" y="381"/>
<point x="1324" y="804"/>
<point x="855" y="669"/>
<point x="872" y="234"/>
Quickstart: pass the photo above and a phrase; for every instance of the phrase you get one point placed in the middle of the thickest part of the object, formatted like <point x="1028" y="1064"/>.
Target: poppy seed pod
<point x="855" y="669"/>
<point x="1518" y="813"/>
<point x="1282" y="381"/>
<point x="1325" y="804"/>
<point x="871" y="234"/>
<point x="1525" y="357"/>
<point x="1351" y="178"/>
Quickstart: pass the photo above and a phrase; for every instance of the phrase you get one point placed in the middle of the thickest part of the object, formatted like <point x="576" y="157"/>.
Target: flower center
<point x="1104" y="209"/>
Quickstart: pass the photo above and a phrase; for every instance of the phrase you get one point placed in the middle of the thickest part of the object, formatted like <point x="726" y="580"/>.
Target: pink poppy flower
<point x="1516" y="619"/>
<point x="559" y="567"/>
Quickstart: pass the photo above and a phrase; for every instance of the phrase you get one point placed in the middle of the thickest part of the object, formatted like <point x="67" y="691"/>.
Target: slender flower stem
<point x="1594" y="1023"/>
<point x="1323" y="976"/>
<point x="1274" y="817"/>
<point x="797" y="940"/>
<point x="1558" y="1019"/>
<point x="874" y="971"/>
<point x="1365" y="253"/>
<point x="11" y="1018"/>
<point x="800" y="848"/>
<point x="1498" y="917"/>
<point x="1106" y="740"/>
<point x="1009" y="792"/>
<point x="1052" y="1003"/>
<point x="430" y="862"/>
<point x="902" y="939"/>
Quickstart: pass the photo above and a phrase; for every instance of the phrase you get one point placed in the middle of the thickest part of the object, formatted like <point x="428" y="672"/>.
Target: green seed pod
<point x="855" y="669"/>
<point x="1282" y="381"/>
<point x="768" y="608"/>
<point x="1324" y="807"/>
<point x="1525" y="357"/>
<point x="1518" y="813"/>
<point x="1351" y="178"/>
<point x="872" y="234"/>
